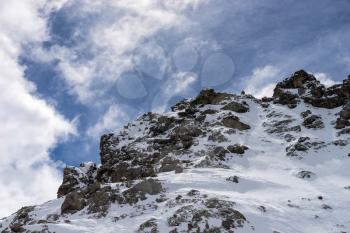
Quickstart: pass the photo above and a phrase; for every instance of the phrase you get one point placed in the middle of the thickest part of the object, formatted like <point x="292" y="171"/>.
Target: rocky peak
<point x="304" y="86"/>
<point x="190" y="170"/>
<point x="297" y="80"/>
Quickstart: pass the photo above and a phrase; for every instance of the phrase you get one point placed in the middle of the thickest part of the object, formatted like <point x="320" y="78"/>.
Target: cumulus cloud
<point x="30" y="126"/>
<point x="325" y="79"/>
<point x="263" y="81"/>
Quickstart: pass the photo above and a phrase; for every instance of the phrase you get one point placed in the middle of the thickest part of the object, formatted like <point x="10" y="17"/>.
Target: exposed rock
<point x="209" y="112"/>
<point x="237" y="149"/>
<point x="305" y="174"/>
<point x="150" y="226"/>
<point x="201" y="133"/>
<point x="209" y="96"/>
<point x="345" y="112"/>
<point x="234" y="179"/>
<point x="234" y="123"/>
<point x="281" y="126"/>
<point x="344" y="131"/>
<point x="73" y="202"/>
<point x="303" y="145"/>
<point x="306" y="113"/>
<point x="149" y="186"/>
<point x="341" y="123"/>
<point x="217" y="136"/>
<point x="106" y="141"/>
<point x="302" y="85"/>
<point x="74" y="178"/>
<point x="124" y="171"/>
<point x="344" y="117"/>
<point x="218" y="152"/>
<point x="236" y="107"/>
<point x="22" y="217"/>
<point x="191" y="217"/>
<point x="162" y="124"/>
<point x="313" y="122"/>
<point x="99" y="201"/>
<point x="138" y="192"/>
<point x="170" y="164"/>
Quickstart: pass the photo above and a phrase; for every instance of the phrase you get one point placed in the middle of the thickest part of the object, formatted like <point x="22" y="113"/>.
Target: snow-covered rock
<point x="216" y="163"/>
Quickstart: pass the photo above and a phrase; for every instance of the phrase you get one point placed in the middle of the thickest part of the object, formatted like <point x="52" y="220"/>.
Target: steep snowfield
<point x="305" y="192"/>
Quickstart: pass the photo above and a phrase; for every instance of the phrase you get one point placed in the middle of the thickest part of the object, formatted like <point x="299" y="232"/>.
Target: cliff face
<point x="216" y="163"/>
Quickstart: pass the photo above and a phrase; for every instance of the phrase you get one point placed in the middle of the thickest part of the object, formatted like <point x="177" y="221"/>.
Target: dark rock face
<point x="344" y="117"/>
<point x="344" y="131"/>
<point x="191" y="216"/>
<point x="150" y="226"/>
<point x="217" y="136"/>
<point x="281" y="126"/>
<point x="72" y="177"/>
<point x="233" y="122"/>
<point x="149" y="186"/>
<point x="305" y="175"/>
<point x="302" y="145"/>
<point x="100" y="200"/>
<point x="345" y="112"/>
<point x="73" y="202"/>
<point x="313" y="122"/>
<point x="236" y="107"/>
<point x="209" y="96"/>
<point x="237" y="149"/>
<point x="297" y="80"/>
<point x="306" y="87"/>
<point x="124" y="171"/>
<point x="138" y="192"/>
<point x="170" y="164"/>
<point x="21" y="218"/>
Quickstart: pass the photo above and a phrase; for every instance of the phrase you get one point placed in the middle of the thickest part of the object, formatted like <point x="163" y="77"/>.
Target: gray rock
<point x="149" y="186"/>
<point x="73" y="202"/>
<point x="233" y="122"/>
<point x="236" y="107"/>
<point x="237" y="149"/>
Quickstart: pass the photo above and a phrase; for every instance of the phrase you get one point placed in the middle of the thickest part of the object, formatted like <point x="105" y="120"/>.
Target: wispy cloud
<point x="30" y="126"/>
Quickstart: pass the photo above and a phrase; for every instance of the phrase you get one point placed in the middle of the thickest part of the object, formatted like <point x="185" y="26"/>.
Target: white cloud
<point x="111" y="41"/>
<point x="263" y="81"/>
<point x="115" y="117"/>
<point x="30" y="126"/>
<point x="325" y="79"/>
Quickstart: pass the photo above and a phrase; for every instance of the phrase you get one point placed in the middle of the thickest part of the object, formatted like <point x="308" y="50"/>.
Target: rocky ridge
<point x="216" y="163"/>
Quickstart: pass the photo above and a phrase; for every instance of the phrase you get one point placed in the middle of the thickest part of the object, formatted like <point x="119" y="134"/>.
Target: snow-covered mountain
<point x="216" y="163"/>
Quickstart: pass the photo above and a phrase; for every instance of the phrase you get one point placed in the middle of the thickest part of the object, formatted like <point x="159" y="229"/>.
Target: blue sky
<point x="91" y="66"/>
<point x="286" y="34"/>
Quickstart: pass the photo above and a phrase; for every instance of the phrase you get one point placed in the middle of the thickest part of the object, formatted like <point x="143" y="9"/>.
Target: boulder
<point x="73" y="202"/>
<point x="313" y="122"/>
<point x="149" y="186"/>
<point x="209" y="96"/>
<point x="233" y="122"/>
<point x="236" y="107"/>
<point x="170" y="164"/>
<point x="74" y="178"/>
<point x="237" y="149"/>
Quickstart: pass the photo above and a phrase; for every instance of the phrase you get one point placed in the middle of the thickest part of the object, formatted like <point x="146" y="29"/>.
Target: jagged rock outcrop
<point x="304" y="86"/>
<point x="216" y="163"/>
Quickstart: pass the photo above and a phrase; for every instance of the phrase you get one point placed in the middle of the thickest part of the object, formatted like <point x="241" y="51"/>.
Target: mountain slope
<point x="216" y="163"/>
